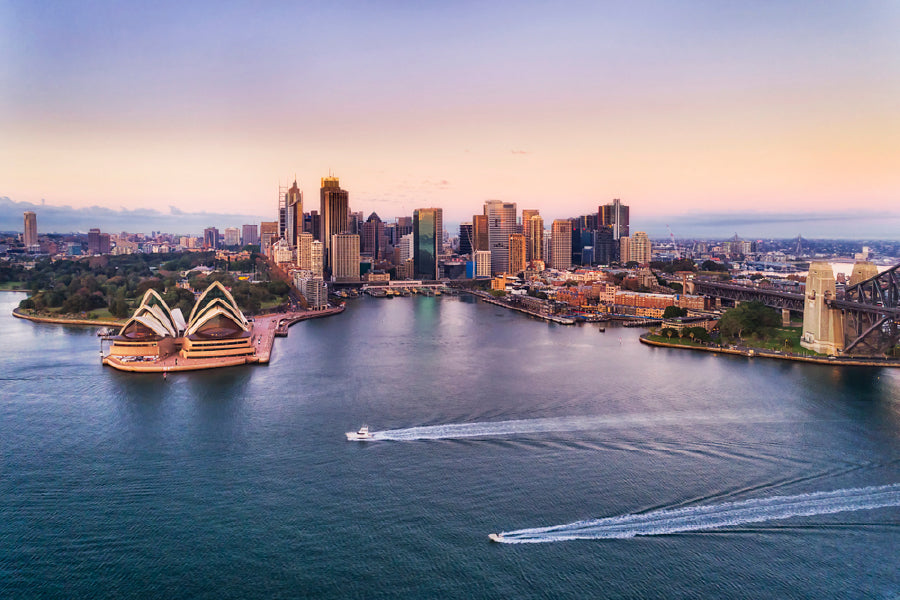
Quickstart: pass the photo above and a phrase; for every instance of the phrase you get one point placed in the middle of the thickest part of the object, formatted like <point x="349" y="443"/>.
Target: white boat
<point x="361" y="435"/>
<point x="495" y="537"/>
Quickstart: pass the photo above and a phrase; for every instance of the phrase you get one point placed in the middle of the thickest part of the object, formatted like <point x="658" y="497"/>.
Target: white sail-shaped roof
<point x="156" y="315"/>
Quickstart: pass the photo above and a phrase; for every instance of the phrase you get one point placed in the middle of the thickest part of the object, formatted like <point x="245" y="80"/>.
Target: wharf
<point x="265" y="329"/>
<point x="551" y="318"/>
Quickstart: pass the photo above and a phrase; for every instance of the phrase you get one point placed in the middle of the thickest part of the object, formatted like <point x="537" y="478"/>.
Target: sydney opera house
<point x="216" y="328"/>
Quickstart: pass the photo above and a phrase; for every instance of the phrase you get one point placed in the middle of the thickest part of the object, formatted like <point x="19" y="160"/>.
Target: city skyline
<point x="711" y="119"/>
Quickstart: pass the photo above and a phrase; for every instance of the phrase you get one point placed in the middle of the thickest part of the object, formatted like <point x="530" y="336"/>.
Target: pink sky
<point x="673" y="107"/>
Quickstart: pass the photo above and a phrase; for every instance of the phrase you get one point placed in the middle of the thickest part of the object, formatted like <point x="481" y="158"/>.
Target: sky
<point x="704" y="117"/>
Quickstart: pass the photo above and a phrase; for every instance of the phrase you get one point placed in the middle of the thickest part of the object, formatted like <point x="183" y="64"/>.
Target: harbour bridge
<point x="865" y="321"/>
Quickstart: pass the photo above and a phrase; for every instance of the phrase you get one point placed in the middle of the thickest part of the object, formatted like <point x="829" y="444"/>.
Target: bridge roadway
<point x="777" y="299"/>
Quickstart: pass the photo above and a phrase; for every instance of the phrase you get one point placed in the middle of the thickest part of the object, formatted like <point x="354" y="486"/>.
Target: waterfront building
<point x="561" y="244"/>
<point x="30" y="236"/>
<point x="335" y="211"/>
<point x="501" y="223"/>
<point x="427" y="227"/>
<point x="304" y="250"/>
<point x="232" y="236"/>
<point x="249" y="235"/>
<point x="314" y="290"/>
<point x="615" y="215"/>
<point x="345" y="257"/>
<point x="482" y="263"/>
<point x="216" y="327"/>
<point x="211" y="238"/>
<point x="517" y="253"/>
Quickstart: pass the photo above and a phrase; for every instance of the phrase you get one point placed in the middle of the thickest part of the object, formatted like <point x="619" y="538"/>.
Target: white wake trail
<point x="699" y="518"/>
<point x="492" y="429"/>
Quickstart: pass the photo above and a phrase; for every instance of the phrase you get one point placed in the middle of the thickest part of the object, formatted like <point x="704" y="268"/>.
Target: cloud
<point x="65" y="219"/>
<point x="769" y="224"/>
<point x="520" y="152"/>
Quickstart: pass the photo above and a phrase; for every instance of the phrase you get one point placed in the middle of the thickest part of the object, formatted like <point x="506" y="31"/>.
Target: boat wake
<point x="564" y="424"/>
<point x="700" y="518"/>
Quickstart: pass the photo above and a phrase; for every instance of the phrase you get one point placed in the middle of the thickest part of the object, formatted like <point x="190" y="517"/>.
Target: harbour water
<point x="642" y="472"/>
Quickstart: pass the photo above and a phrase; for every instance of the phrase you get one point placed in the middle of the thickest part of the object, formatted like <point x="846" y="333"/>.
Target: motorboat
<point x="361" y="435"/>
<point x="495" y="537"/>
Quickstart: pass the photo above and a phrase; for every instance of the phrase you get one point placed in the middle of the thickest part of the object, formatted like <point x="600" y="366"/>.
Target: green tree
<point x="673" y="312"/>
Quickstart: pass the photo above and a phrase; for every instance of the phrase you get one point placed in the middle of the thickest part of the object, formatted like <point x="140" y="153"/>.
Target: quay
<point x="834" y="361"/>
<point x="551" y="318"/>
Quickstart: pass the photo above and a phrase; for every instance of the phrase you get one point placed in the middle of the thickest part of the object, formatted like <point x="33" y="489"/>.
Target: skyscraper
<point x="517" y="260"/>
<point x="501" y="223"/>
<point x="373" y="239"/>
<point x="293" y="201"/>
<point x="639" y="248"/>
<point x="334" y="211"/>
<point x="615" y="215"/>
<point x="561" y="244"/>
<point x="480" y="239"/>
<point x="268" y="233"/>
<point x="466" y="238"/>
<point x="249" y="235"/>
<point x="316" y="258"/>
<point x="93" y="241"/>
<point x="211" y="238"/>
<point x="30" y="237"/>
<point x="528" y="230"/>
<point x="232" y="236"/>
<point x="345" y="257"/>
<point x="304" y="251"/>
<point x="428" y="225"/>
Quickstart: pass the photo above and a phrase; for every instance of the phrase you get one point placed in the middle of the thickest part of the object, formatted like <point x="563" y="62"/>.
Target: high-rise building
<point x="639" y="248"/>
<point x="304" y="251"/>
<point x="334" y="211"/>
<point x="482" y="263"/>
<point x="211" y="238"/>
<point x="345" y="257"/>
<point x="480" y="239"/>
<point x="466" y="238"/>
<point x="606" y="250"/>
<point x="517" y="259"/>
<point x="30" y="237"/>
<point x="406" y="248"/>
<point x="624" y="249"/>
<point x="428" y="225"/>
<point x="268" y="233"/>
<point x="501" y="222"/>
<point x="316" y="261"/>
<point x="249" y="235"/>
<point x="534" y="236"/>
<point x="93" y="241"/>
<point x="561" y="244"/>
<point x="293" y="207"/>
<point x="105" y="245"/>
<point x="232" y="236"/>
<point x="615" y="215"/>
<point x="373" y="238"/>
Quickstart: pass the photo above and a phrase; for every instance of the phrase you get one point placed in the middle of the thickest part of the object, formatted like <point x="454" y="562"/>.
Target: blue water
<point x="781" y="479"/>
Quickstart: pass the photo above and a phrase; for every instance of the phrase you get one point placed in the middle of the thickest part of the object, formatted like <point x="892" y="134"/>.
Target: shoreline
<point x="491" y="300"/>
<point x="761" y="353"/>
<point x="62" y="321"/>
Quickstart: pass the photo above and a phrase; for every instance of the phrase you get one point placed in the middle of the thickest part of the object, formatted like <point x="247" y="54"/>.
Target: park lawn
<point x="685" y="341"/>
<point x="269" y="304"/>
<point x="8" y="286"/>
